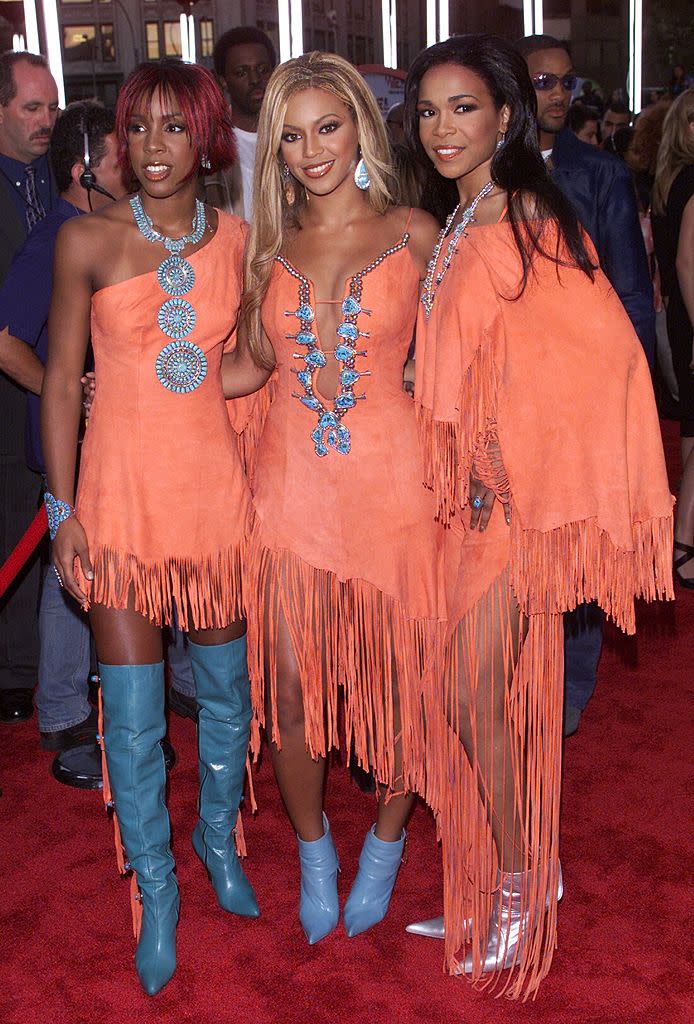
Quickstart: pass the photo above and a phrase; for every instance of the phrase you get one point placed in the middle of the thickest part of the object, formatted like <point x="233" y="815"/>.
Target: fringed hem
<point x="449" y="447"/>
<point x="206" y="593"/>
<point x="578" y="562"/>
<point x="248" y="439"/>
<point x="121" y="863"/>
<point x="345" y="635"/>
<point x="514" y="732"/>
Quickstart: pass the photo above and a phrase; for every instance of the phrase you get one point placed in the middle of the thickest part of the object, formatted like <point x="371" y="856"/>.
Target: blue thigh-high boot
<point x="319" y="910"/>
<point x="223" y="695"/>
<point x="134" y="724"/>
<point x="379" y="863"/>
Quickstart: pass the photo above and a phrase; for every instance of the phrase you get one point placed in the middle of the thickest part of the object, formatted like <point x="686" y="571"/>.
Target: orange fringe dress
<point x="162" y="492"/>
<point x="343" y="548"/>
<point x="547" y="399"/>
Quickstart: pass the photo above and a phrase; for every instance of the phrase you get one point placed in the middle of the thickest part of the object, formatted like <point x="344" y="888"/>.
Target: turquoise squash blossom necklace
<point x="181" y="366"/>
<point x="430" y="286"/>
<point x="330" y="432"/>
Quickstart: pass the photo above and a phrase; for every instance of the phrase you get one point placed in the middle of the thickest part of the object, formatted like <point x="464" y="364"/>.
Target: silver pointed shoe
<point x="433" y="927"/>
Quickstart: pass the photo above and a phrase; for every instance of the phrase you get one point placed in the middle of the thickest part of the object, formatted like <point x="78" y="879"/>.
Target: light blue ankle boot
<point x="222" y="690"/>
<point x="134" y="724"/>
<point x="379" y="863"/>
<point x="319" y="911"/>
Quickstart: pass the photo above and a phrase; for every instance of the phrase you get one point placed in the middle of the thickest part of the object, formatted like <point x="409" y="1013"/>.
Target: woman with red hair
<point x="161" y="508"/>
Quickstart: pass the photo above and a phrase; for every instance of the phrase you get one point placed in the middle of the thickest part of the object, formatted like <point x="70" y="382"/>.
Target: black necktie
<point x="35" y="210"/>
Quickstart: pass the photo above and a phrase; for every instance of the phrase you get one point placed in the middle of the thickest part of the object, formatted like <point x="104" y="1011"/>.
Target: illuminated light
<point x="183" y="30"/>
<point x="31" y="27"/>
<point x="297" y="27"/>
<point x="634" y="78"/>
<point x="390" y="33"/>
<point x="385" y="21"/>
<point x="285" y="30"/>
<point x="18" y="44"/>
<point x="444" y="24"/>
<point x="291" y="28"/>
<point x="533" y="18"/>
<point x="393" y="35"/>
<point x="192" y="49"/>
<point x="432" y="34"/>
<point x="54" y="55"/>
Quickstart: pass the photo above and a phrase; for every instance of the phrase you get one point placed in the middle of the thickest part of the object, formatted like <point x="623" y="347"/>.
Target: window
<point x="172" y="39"/>
<point x="206" y="37"/>
<point x="108" y="42"/>
<point x="79" y="42"/>
<point x="152" y="40"/>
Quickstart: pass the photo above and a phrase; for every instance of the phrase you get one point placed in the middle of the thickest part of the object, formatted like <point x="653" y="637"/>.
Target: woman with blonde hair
<point x="342" y="584"/>
<point x="673" y="229"/>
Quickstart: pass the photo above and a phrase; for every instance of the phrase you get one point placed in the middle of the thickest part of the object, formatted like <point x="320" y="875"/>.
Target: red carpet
<point x="625" y="951"/>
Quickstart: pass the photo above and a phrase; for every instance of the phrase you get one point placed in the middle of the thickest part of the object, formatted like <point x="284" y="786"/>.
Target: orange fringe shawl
<point x="549" y="572"/>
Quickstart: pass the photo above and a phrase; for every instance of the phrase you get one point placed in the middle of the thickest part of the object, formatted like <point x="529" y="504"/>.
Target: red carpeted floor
<point x="625" y="950"/>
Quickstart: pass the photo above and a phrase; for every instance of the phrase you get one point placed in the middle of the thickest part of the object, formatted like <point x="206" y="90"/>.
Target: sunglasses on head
<point x="546" y="80"/>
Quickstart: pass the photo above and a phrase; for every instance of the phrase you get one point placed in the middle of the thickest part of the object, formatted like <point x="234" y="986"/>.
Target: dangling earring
<point x="205" y="163"/>
<point x="361" y="175"/>
<point x="288" y="184"/>
<point x="501" y="141"/>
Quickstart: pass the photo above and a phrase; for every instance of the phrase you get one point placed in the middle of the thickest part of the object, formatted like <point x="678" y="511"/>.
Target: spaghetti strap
<point x="502" y="214"/>
<point x="409" y="218"/>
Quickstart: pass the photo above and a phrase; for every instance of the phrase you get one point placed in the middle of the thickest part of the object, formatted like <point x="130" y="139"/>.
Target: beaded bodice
<point x="356" y="337"/>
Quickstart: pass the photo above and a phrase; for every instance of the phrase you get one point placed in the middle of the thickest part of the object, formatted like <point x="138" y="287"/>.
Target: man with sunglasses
<point x="599" y="188"/>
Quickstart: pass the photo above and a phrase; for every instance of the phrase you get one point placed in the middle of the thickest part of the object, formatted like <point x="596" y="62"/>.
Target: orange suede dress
<point x="162" y="493"/>
<point x="344" y="546"/>
<point x="547" y="399"/>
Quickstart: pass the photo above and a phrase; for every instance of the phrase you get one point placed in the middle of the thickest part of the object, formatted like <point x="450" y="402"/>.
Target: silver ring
<point x="477" y="502"/>
<point x="60" y="578"/>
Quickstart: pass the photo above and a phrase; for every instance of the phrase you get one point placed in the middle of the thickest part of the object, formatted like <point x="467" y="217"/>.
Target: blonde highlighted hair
<point x="271" y="212"/>
<point x="676" y="147"/>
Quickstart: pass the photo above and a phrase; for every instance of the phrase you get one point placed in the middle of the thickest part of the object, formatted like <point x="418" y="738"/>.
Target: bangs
<point x="185" y="89"/>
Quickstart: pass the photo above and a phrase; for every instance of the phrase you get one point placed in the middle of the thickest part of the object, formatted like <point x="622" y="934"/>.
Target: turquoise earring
<point x="361" y="175"/>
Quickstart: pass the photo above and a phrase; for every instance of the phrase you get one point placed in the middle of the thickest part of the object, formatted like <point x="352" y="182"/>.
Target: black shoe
<point x="572" y="720"/>
<point x="16" y="705"/>
<point x="180" y="704"/>
<point x="169" y="754"/>
<point x="362" y="778"/>
<point x="687" y="553"/>
<point x="79" y="735"/>
<point x="79" y="767"/>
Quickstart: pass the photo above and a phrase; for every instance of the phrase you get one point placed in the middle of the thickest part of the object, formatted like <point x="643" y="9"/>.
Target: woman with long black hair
<point x="532" y="389"/>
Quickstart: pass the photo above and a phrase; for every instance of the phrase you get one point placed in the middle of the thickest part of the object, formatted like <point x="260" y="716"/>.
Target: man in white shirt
<point x="243" y="62"/>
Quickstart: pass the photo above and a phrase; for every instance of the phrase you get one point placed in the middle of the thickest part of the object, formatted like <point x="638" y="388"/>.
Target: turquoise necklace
<point x="181" y="366"/>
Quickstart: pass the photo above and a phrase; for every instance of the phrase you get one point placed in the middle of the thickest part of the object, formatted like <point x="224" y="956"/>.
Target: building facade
<point x="103" y="40"/>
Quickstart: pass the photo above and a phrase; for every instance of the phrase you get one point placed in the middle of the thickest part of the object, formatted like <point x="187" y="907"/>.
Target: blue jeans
<point x="178" y="657"/>
<point x="64" y="659"/>
<point x="582" y="647"/>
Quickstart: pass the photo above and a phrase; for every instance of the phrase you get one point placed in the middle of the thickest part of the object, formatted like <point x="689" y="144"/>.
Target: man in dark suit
<point x="600" y="189"/>
<point x="28" y="109"/>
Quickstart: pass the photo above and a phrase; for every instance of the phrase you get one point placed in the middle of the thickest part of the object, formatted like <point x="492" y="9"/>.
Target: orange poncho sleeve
<point x="557" y="374"/>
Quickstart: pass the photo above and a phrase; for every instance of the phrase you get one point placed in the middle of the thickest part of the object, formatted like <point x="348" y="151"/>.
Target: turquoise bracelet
<point x="57" y="512"/>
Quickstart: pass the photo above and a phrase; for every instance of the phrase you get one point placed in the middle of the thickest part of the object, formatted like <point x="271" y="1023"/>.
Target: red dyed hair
<point x="200" y="100"/>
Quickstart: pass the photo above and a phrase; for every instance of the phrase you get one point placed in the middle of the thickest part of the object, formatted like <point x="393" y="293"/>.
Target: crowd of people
<point x="257" y="276"/>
